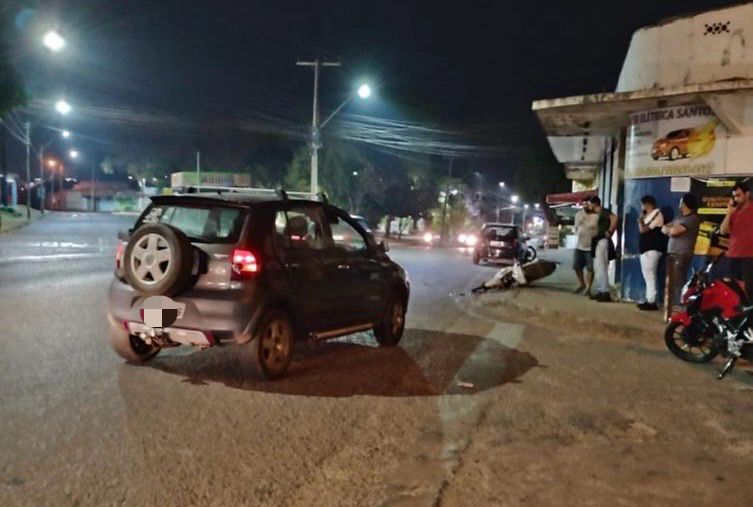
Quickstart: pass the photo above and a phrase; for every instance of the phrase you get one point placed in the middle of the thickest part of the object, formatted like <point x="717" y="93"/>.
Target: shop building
<point x="680" y="120"/>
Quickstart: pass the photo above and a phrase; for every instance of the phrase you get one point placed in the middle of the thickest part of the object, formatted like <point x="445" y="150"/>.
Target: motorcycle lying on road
<point x="718" y="319"/>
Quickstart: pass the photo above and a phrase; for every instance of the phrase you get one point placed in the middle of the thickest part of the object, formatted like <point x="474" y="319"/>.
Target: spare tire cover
<point x="158" y="260"/>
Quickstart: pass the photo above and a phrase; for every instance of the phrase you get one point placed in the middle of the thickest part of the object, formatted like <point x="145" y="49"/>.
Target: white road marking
<point x="39" y="258"/>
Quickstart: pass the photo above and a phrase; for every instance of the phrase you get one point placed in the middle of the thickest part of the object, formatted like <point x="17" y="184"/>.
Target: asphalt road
<point x="551" y="417"/>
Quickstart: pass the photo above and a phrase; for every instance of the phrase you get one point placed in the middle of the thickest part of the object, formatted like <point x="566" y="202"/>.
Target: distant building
<point x="680" y="120"/>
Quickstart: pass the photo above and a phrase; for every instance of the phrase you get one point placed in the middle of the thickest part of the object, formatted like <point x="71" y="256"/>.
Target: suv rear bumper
<point x="227" y="315"/>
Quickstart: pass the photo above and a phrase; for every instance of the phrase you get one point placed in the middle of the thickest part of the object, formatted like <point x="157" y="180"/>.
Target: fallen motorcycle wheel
<point x="689" y="344"/>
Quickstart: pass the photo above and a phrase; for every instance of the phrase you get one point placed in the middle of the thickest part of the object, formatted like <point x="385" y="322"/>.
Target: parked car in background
<point x="502" y="243"/>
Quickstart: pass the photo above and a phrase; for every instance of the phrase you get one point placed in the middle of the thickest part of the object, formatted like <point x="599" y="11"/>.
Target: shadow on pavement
<point x="427" y="363"/>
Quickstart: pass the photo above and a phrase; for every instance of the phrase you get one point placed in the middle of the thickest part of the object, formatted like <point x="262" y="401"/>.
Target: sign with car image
<point x="675" y="141"/>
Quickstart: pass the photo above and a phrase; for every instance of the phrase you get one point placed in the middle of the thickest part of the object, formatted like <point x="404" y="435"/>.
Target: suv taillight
<point x="244" y="264"/>
<point x="119" y="254"/>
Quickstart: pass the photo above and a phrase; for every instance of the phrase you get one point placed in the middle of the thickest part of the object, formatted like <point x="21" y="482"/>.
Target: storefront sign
<point x="675" y="141"/>
<point x="713" y="196"/>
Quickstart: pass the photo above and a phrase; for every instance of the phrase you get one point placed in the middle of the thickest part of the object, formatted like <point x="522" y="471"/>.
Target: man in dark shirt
<point x="739" y="225"/>
<point x="682" y="232"/>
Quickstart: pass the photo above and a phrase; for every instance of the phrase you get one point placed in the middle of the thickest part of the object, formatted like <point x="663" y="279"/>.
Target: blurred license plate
<point x="497" y="243"/>
<point x="181" y="309"/>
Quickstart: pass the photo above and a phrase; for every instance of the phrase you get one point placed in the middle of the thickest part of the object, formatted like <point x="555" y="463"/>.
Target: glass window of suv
<point x="345" y="236"/>
<point x="301" y="228"/>
<point x="203" y="224"/>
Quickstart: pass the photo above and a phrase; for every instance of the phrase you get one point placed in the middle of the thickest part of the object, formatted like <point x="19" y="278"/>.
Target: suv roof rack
<point x="281" y="193"/>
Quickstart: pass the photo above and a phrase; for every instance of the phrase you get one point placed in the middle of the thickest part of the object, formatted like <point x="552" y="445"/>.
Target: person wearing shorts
<point x="585" y="230"/>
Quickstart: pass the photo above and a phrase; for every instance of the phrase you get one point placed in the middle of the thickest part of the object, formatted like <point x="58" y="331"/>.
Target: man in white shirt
<point x="652" y="245"/>
<point x="585" y="230"/>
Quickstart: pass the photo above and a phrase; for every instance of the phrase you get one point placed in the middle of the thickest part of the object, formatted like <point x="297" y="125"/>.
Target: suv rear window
<point x="202" y="224"/>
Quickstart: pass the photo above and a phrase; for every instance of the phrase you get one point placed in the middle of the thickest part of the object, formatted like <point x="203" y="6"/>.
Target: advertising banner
<point x="675" y="141"/>
<point x="713" y="196"/>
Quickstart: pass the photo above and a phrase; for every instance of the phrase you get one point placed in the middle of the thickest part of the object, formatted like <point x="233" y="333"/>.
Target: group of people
<point x="595" y="226"/>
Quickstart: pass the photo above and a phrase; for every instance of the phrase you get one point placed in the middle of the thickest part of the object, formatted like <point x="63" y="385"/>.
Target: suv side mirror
<point x="383" y="246"/>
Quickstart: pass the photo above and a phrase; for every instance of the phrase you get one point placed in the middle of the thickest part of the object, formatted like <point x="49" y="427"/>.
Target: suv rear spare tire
<point x="158" y="260"/>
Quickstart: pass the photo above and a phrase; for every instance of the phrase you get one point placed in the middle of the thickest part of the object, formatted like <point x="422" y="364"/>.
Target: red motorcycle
<point x="717" y="319"/>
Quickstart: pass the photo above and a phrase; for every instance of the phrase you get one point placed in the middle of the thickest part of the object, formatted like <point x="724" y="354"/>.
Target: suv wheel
<point x="132" y="348"/>
<point x="476" y="256"/>
<point x="389" y="331"/>
<point x="158" y="260"/>
<point x="269" y="353"/>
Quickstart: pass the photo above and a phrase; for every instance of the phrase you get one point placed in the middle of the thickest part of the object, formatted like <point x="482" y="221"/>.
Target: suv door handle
<point x="343" y="266"/>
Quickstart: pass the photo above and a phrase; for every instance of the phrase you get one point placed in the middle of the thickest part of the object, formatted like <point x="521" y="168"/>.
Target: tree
<point x="538" y="173"/>
<point x="11" y="90"/>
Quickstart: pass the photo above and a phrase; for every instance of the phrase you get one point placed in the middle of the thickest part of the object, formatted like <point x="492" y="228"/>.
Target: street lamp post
<point x="363" y="92"/>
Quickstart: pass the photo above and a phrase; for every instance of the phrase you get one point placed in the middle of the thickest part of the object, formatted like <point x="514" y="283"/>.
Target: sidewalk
<point x="10" y="221"/>
<point x="551" y="303"/>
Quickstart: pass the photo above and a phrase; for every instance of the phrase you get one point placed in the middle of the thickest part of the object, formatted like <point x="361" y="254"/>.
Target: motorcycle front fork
<point x="734" y="347"/>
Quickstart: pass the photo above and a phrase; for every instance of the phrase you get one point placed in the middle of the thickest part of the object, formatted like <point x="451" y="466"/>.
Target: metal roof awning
<point x="606" y="113"/>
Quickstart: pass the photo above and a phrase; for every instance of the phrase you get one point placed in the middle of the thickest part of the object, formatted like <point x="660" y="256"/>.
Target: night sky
<point x="173" y="70"/>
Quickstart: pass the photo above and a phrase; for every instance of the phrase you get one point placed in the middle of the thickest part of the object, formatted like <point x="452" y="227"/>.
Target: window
<point x="200" y="224"/>
<point x="346" y="236"/>
<point x="300" y="228"/>
<point x="501" y="233"/>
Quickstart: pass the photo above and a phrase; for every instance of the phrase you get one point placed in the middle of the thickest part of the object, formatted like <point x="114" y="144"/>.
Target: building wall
<point x="703" y="48"/>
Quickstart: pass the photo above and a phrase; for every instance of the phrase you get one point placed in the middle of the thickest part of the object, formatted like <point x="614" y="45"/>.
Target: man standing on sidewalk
<point x="585" y="231"/>
<point x="739" y="225"/>
<point x="682" y="232"/>
<point x="652" y="245"/>
<point x="602" y="249"/>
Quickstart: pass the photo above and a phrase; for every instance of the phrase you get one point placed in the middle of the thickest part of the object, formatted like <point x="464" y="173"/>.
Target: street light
<point x="51" y="163"/>
<point x="501" y="184"/>
<point x="66" y="134"/>
<point x="53" y="41"/>
<point x="364" y="91"/>
<point x="537" y="205"/>
<point x="73" y="154"/>
<point x="63" y="107"/>
<point x="514" y="199"/>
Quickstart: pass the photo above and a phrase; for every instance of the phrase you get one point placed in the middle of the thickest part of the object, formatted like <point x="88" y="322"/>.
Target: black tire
<point x="389" y="330"/>
<point x="132" y="348"/>
<point x="676" y="334"/>
<point x="269" y="352"/>
<point x="674" y="154"/>
<point x="476" y="257"/>
<point x="529" y="255"/>
<point x="160" y="249"/>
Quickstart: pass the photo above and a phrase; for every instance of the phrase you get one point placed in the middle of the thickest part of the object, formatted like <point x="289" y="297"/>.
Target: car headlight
<point x="428" y="237"/>
<point x="471" y="240"/>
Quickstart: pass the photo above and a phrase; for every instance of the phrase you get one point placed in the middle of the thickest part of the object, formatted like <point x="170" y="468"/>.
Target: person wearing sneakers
<point x="682" y="232"/>
<point x="652" y="245"/>
<point x="602" y="249"/>
<point x="585" y="231"/>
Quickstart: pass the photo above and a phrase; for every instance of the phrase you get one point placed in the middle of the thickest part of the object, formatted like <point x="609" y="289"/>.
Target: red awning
<point x="570" y="197"/>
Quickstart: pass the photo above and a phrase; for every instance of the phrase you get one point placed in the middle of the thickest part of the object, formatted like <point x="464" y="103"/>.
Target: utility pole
<point x="41" y="180"/>
<point x="315" y="138"/>
<point x="443" y="233"/>
<point x="27" y="142"/>
<point x="94" y="207"/>
<point x="198" y="171"/>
